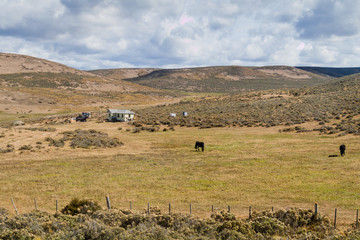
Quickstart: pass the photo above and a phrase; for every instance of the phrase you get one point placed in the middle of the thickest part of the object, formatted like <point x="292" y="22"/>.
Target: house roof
<point x="120" y="111"/>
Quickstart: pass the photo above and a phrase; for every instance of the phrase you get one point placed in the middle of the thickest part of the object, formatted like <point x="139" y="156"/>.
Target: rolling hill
<point x="334" y="105"/>
<point x="30" y="84"/>
<point x="228" y="79"/>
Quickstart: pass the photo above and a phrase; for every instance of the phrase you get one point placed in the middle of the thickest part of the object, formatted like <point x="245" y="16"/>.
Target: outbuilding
<point x="118" y="115"/>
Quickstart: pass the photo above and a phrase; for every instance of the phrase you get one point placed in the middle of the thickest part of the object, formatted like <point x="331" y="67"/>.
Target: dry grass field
<point x="240" y="167"/>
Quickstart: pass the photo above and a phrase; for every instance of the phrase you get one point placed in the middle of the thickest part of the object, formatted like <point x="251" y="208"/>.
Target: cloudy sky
<point x="93" y="34"/>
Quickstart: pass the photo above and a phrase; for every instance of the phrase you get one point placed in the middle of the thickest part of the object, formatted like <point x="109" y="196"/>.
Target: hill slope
<point x="336" y="102"/>
<point x="31" y="84"/>
<point x="331" y="72"/>
<point x="15" y="63"/>
<point x="228" y="79"/>
<point x="123" y="73"/>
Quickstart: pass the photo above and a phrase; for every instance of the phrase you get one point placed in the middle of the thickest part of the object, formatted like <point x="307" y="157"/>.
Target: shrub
<point x="9" y="148"/>
<point x="55" y="143"/>
<point x="77" y="206"/>
<point x="25" y="147"/>
<point x="91" y="139"/>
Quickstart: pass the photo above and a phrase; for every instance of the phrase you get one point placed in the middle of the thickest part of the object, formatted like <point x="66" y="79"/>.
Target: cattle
<point x="342" y="149"/>
<point x="199" y="145"/>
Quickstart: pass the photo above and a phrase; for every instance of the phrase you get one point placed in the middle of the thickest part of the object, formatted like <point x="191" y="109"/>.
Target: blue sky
<point x="94" y="34"/>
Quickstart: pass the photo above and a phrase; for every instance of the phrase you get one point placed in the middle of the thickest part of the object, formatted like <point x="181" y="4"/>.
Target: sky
<point x="97" y="34"/>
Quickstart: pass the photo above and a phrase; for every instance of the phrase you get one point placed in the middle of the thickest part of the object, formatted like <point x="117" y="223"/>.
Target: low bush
<point x="77" y="206"/>
<point x="9" y="148"/>
<point x="84" y="219"/>
<point x="55" y="143"/>
<point x="25" y="147"/>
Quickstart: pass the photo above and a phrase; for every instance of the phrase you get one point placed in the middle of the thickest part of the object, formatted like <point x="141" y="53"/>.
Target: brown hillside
<point x="15" y="63"/>
<point x="123" y="73"/>
<point x="229" y="79"/>
<point x="34" y="85"/>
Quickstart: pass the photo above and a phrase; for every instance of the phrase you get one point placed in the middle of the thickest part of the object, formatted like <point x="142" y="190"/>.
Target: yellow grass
<point x="240" y="167"/>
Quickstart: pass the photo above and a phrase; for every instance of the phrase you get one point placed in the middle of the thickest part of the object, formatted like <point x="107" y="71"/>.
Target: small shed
<point x="118" y="115"/>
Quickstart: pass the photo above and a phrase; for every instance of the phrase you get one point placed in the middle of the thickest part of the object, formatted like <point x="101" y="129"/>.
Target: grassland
<point x="240" y="167"/>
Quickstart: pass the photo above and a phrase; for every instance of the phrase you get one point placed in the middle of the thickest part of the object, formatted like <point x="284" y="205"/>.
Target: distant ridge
<point x="228" y="79"/>
<point x="332" y="72"/>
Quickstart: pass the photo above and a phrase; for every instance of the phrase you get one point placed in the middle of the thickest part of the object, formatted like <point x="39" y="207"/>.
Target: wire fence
<point x="211" y="209"/>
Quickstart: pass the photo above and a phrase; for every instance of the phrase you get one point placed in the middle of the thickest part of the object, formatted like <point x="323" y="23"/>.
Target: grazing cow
<point x="199" y="145"/>
<point x="342" y="149"/>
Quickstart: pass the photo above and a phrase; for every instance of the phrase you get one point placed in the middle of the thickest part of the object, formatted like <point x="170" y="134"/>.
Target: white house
<point x="117" y="115"/>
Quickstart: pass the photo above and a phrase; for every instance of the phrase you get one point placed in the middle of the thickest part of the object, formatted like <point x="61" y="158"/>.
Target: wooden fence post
<point x="212" y="208"/>
<point x="149" y="208"/>
<point x="108" y="202"/>
<point x="56" y="206"/>
<point x="250" y="212"/>
<point x="35" y="204"/>
<point x="316" y="208"/>
<point x="130" y="205"/>
<point x="357" y="219"/>
<point x="272" y="209"/>
<point x="190" y="209"/>
<point x="229" y="209"/>
<point x="169" y="208"/>
<point x="12" y="200"/>
<point x="335" y="218"/>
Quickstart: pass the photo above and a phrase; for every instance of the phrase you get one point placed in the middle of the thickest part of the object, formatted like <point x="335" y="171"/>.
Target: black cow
<point x="199" y="145"/>
<point x="342" y="149"/>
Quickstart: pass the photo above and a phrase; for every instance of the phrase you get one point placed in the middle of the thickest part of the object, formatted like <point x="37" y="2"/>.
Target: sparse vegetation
<point x="324" y="104"/>
<point x="124" y="224"/>
<point x="25" y="147"/>
<point x="246" y="161"/>
<point x="55" y="143"/>
<point x="42" y="129"/>
<point x="9" y="148"/>
<point x="90" y="139"/>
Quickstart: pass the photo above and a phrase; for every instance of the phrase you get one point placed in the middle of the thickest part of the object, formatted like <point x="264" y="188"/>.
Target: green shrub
<point x="77" y="206"/>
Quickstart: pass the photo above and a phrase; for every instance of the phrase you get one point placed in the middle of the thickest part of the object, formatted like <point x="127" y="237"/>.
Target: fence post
<point x="229" y="209"/>
<point x="108" y="202"/>
<point x="250" y="212"/>
<point x="149" y="208"/>
<point x="335" y="218"/>
<point x="12" y="200"/>
<point x="357" y="219"/>
<point x="272" y="209"/>
<point x="169" y="208"/>
<point x="35" y="204"/>
<point x="130" y="205"/>
<point x="316" y="208"/>
<point x="212" y="208"/>
<point x="56" y="206"/>
<point x="190" y="208"/>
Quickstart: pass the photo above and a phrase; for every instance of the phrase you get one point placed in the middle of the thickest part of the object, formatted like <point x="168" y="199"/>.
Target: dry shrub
<point x="90" y="139"/>
<point x="9" y="148"/>
<point x="25" y="147"/>
<point x="55" y="143"/>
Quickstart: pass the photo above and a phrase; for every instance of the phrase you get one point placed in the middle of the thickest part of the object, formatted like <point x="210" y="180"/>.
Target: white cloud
<point x="145" y="33"/>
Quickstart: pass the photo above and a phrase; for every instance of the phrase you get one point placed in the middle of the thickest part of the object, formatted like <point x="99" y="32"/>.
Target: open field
<point x="240" y="167"/>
